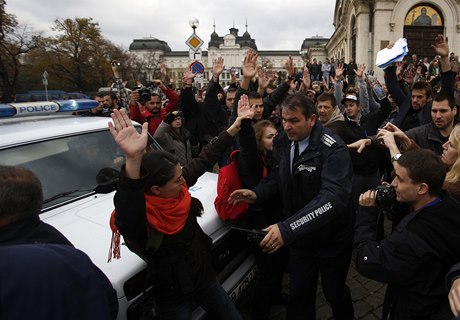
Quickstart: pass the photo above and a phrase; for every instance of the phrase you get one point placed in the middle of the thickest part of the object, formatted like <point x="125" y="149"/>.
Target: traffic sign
<point x="194" y="42"/>
<point x="197" y="67"/>
<point x="195" y="55"/>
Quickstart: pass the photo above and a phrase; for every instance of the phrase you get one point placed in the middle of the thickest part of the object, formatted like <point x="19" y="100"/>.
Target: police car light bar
<point x="45" y="107"/>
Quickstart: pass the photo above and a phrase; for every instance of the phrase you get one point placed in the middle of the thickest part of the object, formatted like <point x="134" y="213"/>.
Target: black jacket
<point x="316" y="198"/>
<point x="404" y="101"/>
<point x="31" y="230"/>
<point x="428" y="137"/>
<point x="203" y="120"/>
<point x="181" y="264"/>
<point x="413" y="260"/>
<point x="369" y="159"/>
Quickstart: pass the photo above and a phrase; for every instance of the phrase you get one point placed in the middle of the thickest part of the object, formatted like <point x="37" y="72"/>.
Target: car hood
<point x="86" y="224"/>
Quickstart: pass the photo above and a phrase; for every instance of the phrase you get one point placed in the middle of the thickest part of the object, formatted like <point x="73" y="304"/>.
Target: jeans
<point x="211" y="297"/>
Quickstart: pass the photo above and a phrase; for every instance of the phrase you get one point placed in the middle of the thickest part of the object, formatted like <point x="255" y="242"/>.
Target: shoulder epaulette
<point x="327" y="140"/>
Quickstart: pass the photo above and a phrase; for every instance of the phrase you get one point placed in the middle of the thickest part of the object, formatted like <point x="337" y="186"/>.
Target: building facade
<point x="363" y="27"/>
<point x="232" y="47"/>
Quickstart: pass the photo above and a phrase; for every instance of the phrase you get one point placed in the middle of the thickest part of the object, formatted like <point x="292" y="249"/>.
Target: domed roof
<point x="246" y="35"/>
<point x="214" y="35"/>
<point x="153" y="44"/>
<point x="314" y="42"/>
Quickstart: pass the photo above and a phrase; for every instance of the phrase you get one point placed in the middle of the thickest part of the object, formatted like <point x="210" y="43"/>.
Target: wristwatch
<point x="396" y="157"/>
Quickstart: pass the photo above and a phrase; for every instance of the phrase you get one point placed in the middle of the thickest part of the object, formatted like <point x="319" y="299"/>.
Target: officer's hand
<point x="273" y="241"/>
<point x="454" y="297"/>
<point x="367" y="199"/>
<point x="242" y="195"/>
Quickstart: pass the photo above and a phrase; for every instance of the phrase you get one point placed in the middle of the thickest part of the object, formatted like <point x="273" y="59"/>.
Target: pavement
<point x="367" y="296"/>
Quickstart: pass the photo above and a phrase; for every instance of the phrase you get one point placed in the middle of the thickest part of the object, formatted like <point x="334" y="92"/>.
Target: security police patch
<point x="327" y="140"/>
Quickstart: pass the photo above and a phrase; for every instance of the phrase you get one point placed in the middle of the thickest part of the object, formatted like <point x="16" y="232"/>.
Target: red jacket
<point x="154" y="120"/>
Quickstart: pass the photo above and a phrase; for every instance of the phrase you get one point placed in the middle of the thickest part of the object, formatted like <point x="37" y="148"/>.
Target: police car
<point x="78" y="163"/>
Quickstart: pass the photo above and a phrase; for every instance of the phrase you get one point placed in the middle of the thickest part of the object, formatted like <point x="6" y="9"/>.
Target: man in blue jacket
<point x="42" y="275"/>
<point x="313" y="172"/>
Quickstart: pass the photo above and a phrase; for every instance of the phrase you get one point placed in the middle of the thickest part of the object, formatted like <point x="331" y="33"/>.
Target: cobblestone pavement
<point x="367" y="296"/>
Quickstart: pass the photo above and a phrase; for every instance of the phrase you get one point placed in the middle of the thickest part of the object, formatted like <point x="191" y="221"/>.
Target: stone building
<point x="363" y="27"/>
<point x="232" y="47"/>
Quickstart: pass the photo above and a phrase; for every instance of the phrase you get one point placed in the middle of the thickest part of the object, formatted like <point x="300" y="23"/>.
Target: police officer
<point x="313" y="172"/>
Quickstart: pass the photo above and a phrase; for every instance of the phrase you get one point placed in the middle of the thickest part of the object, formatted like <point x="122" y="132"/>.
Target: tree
<point x="76" y="52"/>
<point x="16" y="40"/>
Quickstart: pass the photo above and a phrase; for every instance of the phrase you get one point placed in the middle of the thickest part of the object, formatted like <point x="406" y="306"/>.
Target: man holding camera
<point x="416" y="256"/>
<point x="153" y="113"/>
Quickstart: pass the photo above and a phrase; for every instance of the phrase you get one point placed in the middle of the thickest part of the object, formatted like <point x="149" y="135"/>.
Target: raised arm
<point x="441" y="47"/>
<point x="121" y="89"/>
<point x="393" y="86"/>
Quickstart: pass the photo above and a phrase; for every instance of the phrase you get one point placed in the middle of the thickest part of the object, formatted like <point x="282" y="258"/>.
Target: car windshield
<point x="69" y="167"/>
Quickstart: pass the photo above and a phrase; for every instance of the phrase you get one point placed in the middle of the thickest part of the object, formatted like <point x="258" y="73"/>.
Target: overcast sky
<point x="280" y="24"/>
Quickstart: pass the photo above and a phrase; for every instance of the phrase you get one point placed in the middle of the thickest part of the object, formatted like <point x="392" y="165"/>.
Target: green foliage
<point x="77" y="57"/>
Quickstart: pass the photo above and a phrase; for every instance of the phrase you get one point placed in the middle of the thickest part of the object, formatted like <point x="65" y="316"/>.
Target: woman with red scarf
<point x="157" y="217"/>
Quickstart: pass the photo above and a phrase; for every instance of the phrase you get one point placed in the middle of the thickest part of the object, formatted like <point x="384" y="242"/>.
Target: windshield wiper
<point x="63" y="194"/>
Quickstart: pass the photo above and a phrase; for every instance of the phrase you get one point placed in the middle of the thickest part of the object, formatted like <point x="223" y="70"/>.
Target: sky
<point x="279" y="25"/>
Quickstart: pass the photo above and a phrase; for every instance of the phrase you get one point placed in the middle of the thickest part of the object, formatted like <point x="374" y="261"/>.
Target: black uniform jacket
<point x="316" y="197"/>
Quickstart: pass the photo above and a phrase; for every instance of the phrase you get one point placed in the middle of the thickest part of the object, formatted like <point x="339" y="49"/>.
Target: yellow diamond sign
<point x="194" y="42"/>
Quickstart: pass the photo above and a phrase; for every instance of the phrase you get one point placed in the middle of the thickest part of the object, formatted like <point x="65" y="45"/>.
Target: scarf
<point x="166" y="215"/>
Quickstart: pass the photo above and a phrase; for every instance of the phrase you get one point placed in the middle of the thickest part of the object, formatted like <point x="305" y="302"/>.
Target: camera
<point x="385" y="197"/>
<point x="145" y="94"/>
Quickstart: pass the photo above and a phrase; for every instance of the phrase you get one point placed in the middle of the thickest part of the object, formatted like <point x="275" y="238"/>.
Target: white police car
<point x="77" y="162"/>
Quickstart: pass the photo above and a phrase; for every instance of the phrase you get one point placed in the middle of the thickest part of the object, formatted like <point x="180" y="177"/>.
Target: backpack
<point x="228" y="181"/>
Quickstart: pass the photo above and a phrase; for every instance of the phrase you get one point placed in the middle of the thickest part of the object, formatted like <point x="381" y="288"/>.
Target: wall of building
<point x="387" y="27"/>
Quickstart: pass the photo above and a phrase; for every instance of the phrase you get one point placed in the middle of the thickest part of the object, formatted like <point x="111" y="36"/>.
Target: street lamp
<point x="194" y="23"/>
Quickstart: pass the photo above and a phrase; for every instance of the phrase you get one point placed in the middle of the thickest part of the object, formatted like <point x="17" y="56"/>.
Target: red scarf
<point x="166" y="215"/>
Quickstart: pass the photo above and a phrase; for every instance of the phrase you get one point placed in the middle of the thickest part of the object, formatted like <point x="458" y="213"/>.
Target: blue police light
<point x="76" y="105"/>
<point x="45" y="107"/>
<point x="7" y="111"/>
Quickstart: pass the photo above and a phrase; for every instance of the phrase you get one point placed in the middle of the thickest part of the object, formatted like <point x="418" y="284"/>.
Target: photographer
<point x="153" y="113"/>
<point x="417" y="255"/>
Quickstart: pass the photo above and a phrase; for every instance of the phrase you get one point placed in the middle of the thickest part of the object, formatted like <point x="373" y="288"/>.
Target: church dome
<point x="151" y="44"/>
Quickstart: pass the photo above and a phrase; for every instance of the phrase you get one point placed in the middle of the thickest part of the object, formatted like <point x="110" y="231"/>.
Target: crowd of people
<point x="314" y="149"/>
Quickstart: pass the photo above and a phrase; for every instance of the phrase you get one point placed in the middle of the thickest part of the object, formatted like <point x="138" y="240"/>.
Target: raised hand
<point x="271" y="75"/>
<point x="250" y="64"/>
<point x="245" y="111"/>
<point x="360" y="72"/>
<point x="409" y="75"/>
<point x="289" y="66"/>
<point x="232" y="76"/>
<point x="306" y="79"/>
<point x="263" y="83"/>
<point x="163" y="72"/>
<point x="131" y="142"/>
<point x="116" y="68"/>
<point x="217" y="67"/>
<point x="189" y="76"/>
<point x="441" y="46"/>
<point x="339" y="71"/>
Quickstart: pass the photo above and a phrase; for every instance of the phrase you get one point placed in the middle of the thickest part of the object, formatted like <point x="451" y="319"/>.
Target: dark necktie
<point x="296" y="155"/>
